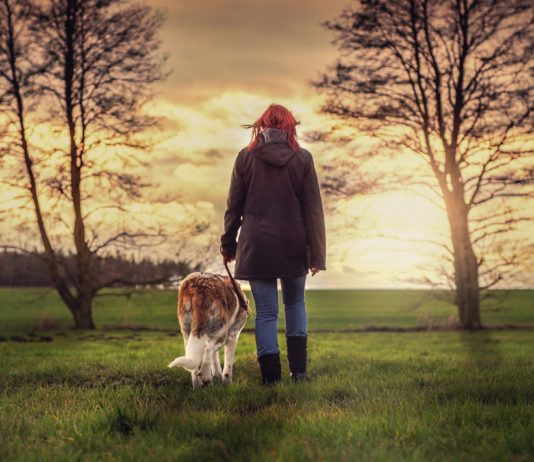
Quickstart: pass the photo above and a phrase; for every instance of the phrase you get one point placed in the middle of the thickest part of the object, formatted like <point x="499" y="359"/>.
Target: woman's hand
<point x="227" y="259"/>
<point x="314" y="270"/>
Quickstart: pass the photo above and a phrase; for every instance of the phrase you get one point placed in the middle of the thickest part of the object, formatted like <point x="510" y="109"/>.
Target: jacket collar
<point x="273" y="135"/>
<point x="273" y="148"/>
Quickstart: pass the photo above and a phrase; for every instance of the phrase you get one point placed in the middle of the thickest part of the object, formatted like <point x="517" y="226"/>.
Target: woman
<point x="274" y="198"/>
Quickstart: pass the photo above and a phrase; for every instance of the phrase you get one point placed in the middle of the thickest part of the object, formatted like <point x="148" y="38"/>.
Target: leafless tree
<point x="74" y="75"/>
<point x="451" y="82"/>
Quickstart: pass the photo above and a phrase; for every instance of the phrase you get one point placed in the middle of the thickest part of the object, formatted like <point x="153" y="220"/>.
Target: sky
<point x="229" y="60"/>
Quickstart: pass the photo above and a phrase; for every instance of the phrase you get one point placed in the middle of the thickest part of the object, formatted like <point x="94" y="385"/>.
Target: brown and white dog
<point x="210" y="317"/>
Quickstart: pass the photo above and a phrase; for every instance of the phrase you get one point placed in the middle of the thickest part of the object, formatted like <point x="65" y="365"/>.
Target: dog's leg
<point x="216" y="363"/>
<point x="229" y="353"/>
<point x="196" y="378"/>
<point x="231" y="345"/>
<point x="195" y="373"/>
<point x="207" y="367"/>
<point x="185" y="335"/>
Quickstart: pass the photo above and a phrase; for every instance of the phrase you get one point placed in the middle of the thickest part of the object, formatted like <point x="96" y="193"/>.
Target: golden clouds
<point x="270" y="47"/>
<point x="231" y="60"/>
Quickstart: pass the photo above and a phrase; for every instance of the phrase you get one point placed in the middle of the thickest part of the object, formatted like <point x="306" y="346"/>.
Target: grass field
<point x="107" y="395"/>
<point x="35" y="309"/>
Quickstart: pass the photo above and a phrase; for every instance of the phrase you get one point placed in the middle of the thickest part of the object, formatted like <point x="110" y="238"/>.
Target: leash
<point x="240" y="297"/>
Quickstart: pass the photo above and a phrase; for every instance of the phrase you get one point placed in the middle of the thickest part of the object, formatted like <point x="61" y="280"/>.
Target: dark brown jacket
<point x="274" y="197"/>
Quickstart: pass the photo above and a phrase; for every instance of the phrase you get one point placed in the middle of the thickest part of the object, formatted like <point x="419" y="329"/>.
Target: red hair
<point x="275" y="116"/>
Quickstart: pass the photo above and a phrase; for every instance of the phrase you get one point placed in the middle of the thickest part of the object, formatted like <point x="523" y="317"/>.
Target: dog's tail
<point x="194" y="351"/>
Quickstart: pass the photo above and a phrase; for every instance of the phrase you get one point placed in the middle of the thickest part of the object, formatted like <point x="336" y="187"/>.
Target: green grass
<point x="375" y="396"/>
<point x="35" y="309"/>
<point x="107" y="394"/>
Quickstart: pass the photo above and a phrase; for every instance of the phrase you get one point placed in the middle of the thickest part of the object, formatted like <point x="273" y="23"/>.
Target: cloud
<point x="202" y="182"/>
<point x="231" y="60"/>
<point x="195" y="162"/>
<point x="273" y="46"/>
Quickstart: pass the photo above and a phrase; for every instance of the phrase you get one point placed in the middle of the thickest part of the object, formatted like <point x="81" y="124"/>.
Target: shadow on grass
<point x="97" y="380"/>
<point x="220" y="423"/>
<point x="482" y="348"/>
<point x="486" y="376"/>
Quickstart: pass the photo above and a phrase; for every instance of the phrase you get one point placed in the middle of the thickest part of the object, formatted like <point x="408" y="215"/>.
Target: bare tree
<point x="84" y="69"/>
<point x="450" y="81"/>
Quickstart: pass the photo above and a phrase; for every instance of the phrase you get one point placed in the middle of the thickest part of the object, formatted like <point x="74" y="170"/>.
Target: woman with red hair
<point x="275" y="202"/>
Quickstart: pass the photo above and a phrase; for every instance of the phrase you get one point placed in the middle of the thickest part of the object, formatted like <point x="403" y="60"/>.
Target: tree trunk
<point x="83" y="318"/>
<point x="82" y="312"/>
<point x="465" y="266"/>
<point x="15" y="80"/>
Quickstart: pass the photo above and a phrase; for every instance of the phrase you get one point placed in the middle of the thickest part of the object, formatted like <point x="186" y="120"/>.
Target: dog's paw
<point x="227" y="379"/>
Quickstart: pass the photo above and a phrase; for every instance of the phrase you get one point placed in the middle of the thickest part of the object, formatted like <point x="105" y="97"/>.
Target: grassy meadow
<point x="40" y="309"/>
<point x="107" y="394"/>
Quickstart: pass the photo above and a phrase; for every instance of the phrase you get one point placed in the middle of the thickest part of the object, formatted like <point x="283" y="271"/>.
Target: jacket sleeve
<point x="312" y="208"/>
<point x="234" y="210"/>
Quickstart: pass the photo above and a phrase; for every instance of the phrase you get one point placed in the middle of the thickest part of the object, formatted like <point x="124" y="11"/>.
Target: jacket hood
<point x="273" y="147"/>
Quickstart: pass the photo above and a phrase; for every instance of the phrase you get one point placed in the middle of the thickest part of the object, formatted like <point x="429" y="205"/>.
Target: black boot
<point x="297" y="355"/>
<point x="271" y="370"/>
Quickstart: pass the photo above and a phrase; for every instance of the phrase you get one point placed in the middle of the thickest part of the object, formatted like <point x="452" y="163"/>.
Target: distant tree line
<point x="19" y="269"/>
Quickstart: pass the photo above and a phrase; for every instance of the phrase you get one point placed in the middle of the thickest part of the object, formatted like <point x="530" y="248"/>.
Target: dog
<point x="210" y="316"/>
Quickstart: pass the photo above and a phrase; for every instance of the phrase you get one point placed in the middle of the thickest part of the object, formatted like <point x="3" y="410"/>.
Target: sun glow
<point x="391" y="239"/>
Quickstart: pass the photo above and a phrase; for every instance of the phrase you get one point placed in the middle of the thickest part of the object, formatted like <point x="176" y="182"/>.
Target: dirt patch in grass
<point x="135" y="327"/>
<point x="434" y="328"/>
<point x="30" y="337"/>
<point x="106" y="338"/>
<point x="368" y="328"/>
<point x="93" y="380"/>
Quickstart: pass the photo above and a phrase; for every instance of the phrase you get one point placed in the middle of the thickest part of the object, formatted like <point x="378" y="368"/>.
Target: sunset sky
<point x="229" y="61"/>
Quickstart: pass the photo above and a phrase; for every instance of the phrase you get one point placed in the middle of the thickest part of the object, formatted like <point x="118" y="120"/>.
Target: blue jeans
<point x="265" y="295"/>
